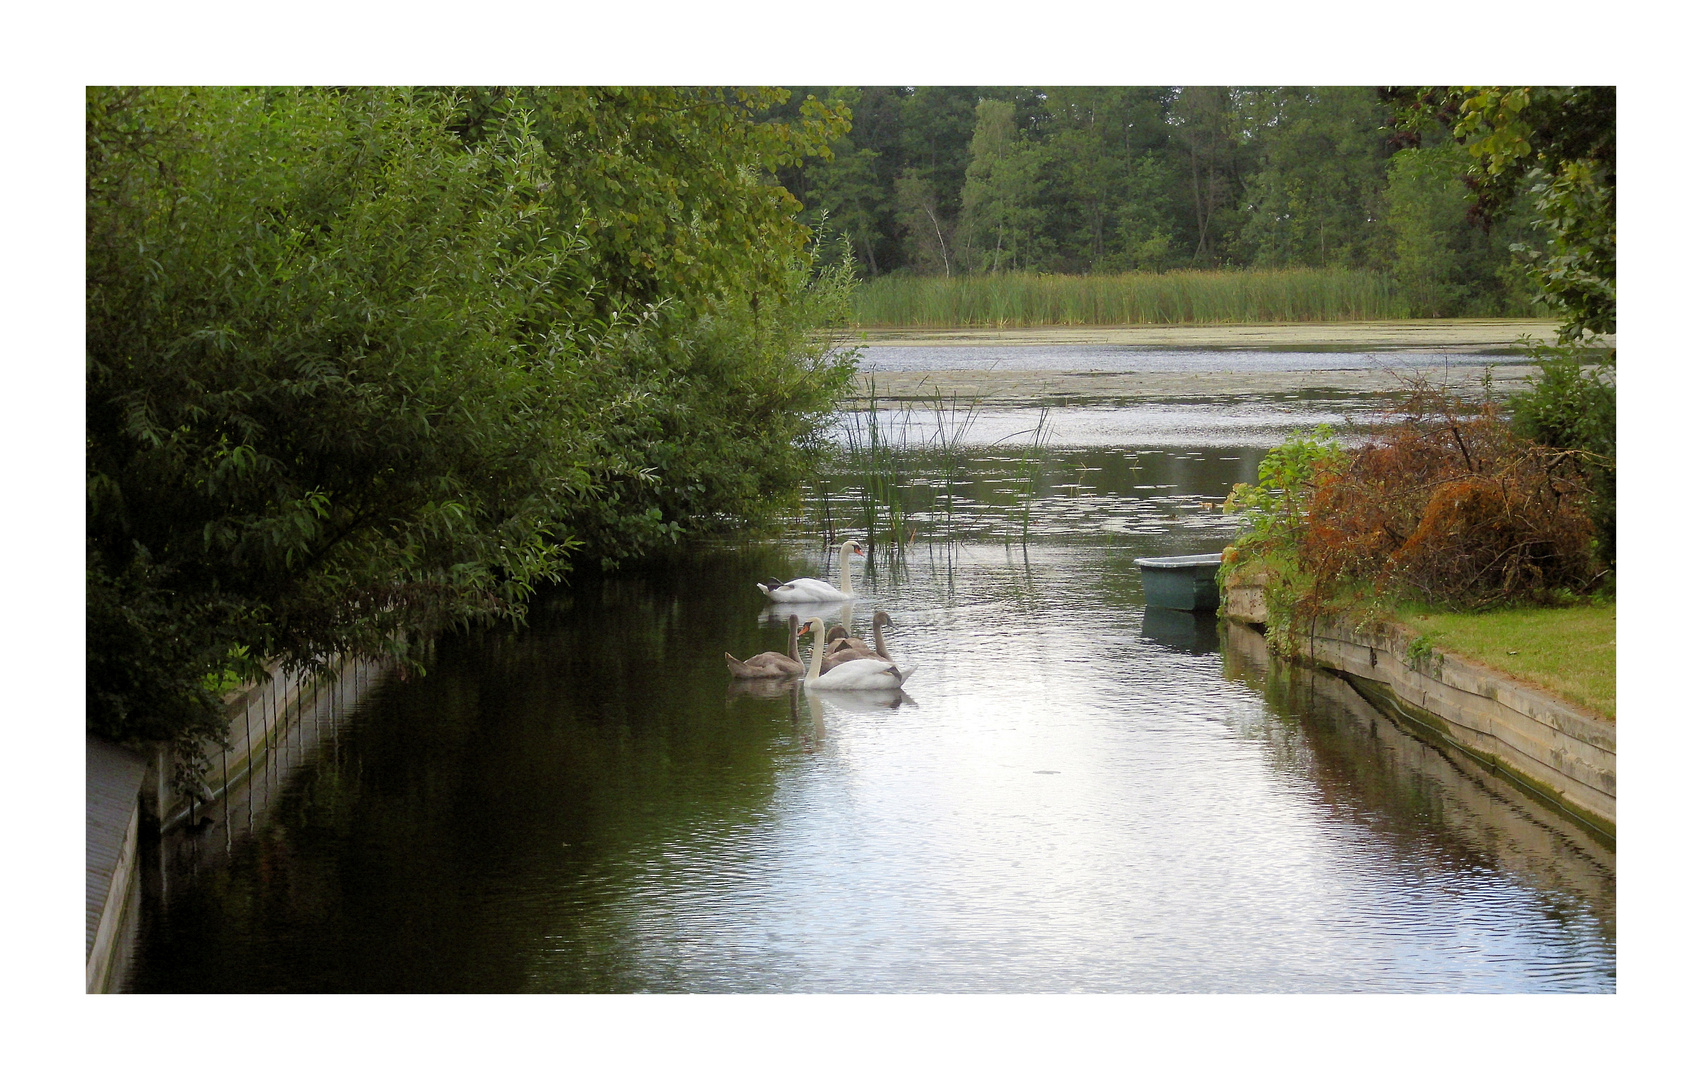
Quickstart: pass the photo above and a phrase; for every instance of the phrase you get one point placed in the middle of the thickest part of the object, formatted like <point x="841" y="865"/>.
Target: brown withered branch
<point x="1451" y="504"/>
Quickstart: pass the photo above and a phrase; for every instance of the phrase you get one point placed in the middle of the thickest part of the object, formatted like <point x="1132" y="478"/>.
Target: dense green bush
<point x="365" y="363"/>
<point x="1572" y="404"/>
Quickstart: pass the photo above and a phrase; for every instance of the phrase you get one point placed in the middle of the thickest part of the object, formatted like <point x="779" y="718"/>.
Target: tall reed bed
<point x="1184" y="296"/>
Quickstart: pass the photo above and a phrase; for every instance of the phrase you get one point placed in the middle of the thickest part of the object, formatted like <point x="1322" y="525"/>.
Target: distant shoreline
<point x="1426" y="335"/>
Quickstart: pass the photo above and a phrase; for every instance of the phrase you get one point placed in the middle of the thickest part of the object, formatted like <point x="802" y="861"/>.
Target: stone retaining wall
<point x="1563" y="751"/>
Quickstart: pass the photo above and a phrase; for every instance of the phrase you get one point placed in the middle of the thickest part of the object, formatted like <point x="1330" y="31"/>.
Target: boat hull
<point x="1181" y="582"/>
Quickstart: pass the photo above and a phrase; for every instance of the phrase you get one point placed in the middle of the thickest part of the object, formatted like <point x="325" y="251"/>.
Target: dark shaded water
<point x="1072" y="793"/>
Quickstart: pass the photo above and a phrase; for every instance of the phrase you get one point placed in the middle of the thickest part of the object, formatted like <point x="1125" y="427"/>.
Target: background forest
<point x="966" y="180"/>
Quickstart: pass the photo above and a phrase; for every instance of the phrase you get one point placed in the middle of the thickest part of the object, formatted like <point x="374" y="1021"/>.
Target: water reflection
<point x="1073" y="791"/>
<point x="1477" y="825"/>
<point x="868" y="701"/>
<point x="1189" y="631"/>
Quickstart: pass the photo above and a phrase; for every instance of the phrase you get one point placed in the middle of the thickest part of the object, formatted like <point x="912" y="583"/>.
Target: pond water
<point x="1073" y="792"/>
<point x="1141" y="358"/>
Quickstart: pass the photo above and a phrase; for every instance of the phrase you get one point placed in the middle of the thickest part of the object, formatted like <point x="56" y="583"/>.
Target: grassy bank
<point x="1569" y="651"/>
<point x="1179" y="297"/>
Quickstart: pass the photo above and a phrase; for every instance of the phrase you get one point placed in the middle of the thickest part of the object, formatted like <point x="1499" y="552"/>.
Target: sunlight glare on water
<point x="1060" y="803"/>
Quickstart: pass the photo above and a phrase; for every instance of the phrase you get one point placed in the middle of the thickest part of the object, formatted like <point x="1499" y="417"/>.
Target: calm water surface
<point x="1146" y="358"/>
<point x="1073" y="792"/>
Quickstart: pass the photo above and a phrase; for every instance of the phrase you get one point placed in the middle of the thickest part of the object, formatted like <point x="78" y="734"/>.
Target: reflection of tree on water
<point x="587" y="804"/>
<point x="1016" y="496"/>
<point x="1430" y="810"/>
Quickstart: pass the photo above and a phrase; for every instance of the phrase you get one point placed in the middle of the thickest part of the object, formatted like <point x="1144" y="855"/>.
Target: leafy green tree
<point x="673" y="187"/>
<point x="929" y="234"/>
<point x="935" y="124"/>
<point x="366" y="363"/>
<point x="1446" y="266"/>
<point x="1097" y="176"/>
<point x="1557" y="145"/>
<point x="1002" y="216"/>
<point x="848" y="188"/>
<point x="1208" y="127"/>
<point x="1316" y="196"/>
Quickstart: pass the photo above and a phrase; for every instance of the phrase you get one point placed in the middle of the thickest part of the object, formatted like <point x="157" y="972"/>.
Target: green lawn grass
<point x="1569" y="651"/>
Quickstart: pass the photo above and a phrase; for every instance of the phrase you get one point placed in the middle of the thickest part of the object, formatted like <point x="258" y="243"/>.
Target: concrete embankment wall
<point x="113" y="816"/>
<point x="260" y="716"/>
<point x="1557" y="750"/>
<point x="127" y="792"/>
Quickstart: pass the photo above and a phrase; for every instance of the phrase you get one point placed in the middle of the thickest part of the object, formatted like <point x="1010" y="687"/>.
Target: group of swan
<point x="836" y="662"/>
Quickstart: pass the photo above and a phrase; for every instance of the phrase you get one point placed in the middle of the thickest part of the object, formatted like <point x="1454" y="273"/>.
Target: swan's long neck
<point x="880" y="642"/>
<point x="792" y="636"/>
<point x="845" y="568"/>
<point x="816" y="649"/>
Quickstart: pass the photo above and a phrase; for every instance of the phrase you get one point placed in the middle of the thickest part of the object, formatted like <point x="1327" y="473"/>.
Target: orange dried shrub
<point x="1451" y="504"/>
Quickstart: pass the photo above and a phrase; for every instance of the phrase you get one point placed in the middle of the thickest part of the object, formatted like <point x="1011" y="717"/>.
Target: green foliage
<point x="1320" y="177"/>
<point x="1421" y="651"/>
<point x="1447" y="267"/>
<point x="956" y="181"/>
<point x="364" y="363"/>
<point x="1276" y="506"/>
<point x="1000" y="226"/>
<point x="1557" y="146"/>
<point x="848" y="191"/>
<point x="1277" y="509"/>
<point x="929" y="236"/>
<point x="1213" y="142"/>
<point x="1573" y="405"/>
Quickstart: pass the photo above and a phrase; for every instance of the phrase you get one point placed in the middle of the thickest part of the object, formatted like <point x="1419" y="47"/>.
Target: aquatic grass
<point x="879" y="462"/>
<point x="1028" y="468"/>
<point x="907" y="474"/>
<point x="1132" y="299"/>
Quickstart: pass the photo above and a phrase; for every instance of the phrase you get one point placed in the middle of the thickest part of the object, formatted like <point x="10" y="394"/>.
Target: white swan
<point x="809" y="590"/>
<point x="864" y="673"/>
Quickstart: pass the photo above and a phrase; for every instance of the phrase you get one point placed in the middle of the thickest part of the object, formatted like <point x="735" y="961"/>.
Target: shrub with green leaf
<point x="1572" y="404"/>
<point x="365" y="363"/>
